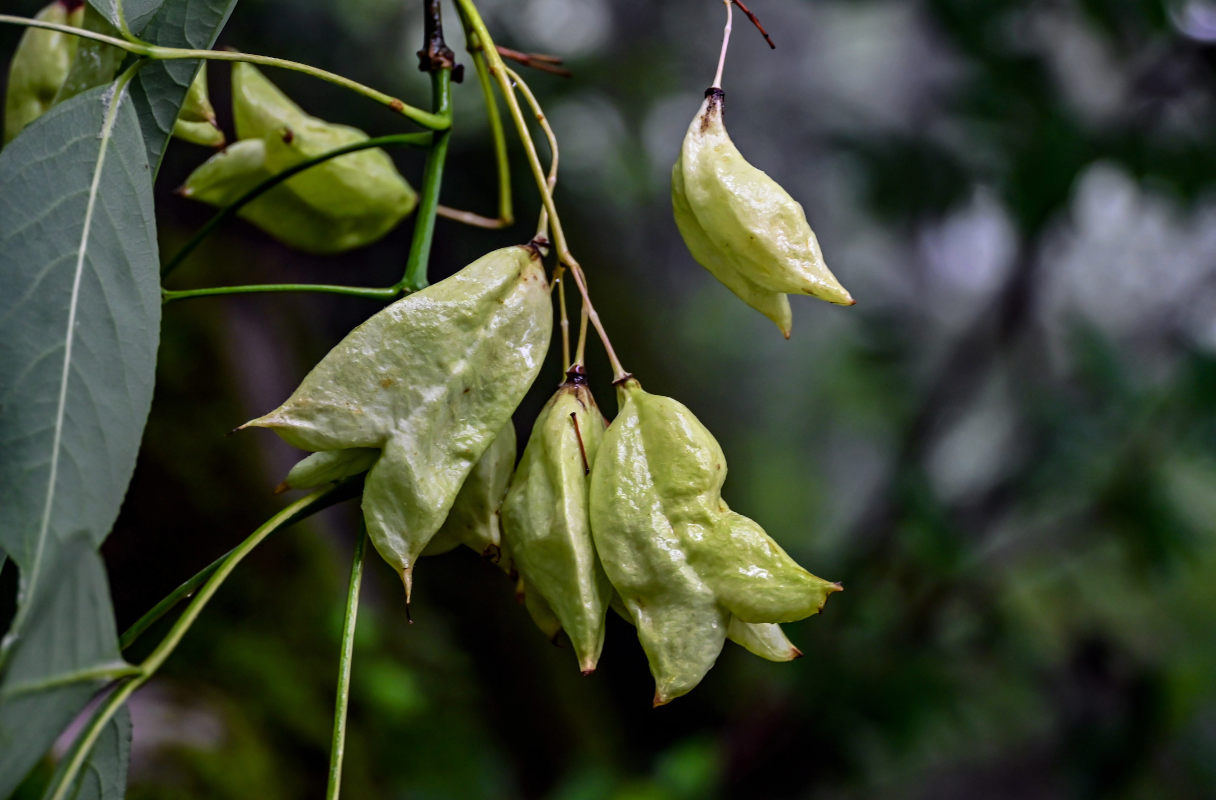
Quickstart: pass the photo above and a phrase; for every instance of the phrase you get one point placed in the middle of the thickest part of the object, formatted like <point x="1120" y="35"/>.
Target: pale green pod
<point x="361" y="196"/>
<point x="329" y="466"/>
<point x="473" y="520"/>
<point x="196" y="120"/>
<point x="39" y="67"/>
<point x="225" y="177"/>
<point x="95" y="62"/>
<point x="764" y="639"/>
<point x="774" y="305"/>
<point x="753" y="223"/>
<point x="540" y="612"/>
<point x="682" y="562"/>
<point x="545" y="518"/>
<point x="430" y="380"/>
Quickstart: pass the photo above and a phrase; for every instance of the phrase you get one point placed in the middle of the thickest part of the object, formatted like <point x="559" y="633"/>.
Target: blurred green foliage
<point x="1006" y="452"/>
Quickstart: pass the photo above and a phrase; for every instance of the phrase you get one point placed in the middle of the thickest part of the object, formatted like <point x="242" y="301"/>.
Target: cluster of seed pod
<point x="341" y="204"/>
<point x="626" y="515"/>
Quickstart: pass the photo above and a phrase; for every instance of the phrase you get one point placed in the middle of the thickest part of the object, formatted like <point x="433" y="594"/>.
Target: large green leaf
<point x="79" y="324"/>
<point x="161" y="86"/>
<point x="104" y="774"/>
<point x="53" y="670"/>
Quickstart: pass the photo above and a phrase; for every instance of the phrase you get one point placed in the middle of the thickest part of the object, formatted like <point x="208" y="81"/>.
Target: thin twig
<point x="537" y="61"/>
<point x="755" y="21"/>
<point x="473" y="219"/>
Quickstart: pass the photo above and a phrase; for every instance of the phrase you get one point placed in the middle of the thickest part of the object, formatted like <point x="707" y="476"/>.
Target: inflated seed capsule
<point x="545" y="517"/>
<point x="360" y="196"/>
<point x="473" y="520"/>
<point x="40" y="65"/>
<point x="682" y="562"/>
<point x="225" y="177"/>
<point x="329" y="466"/>
<point x="196" y="120"/>
<point x="430" y="381"/>
<point x="741" y="225"/>
<point x="764" y="639"/>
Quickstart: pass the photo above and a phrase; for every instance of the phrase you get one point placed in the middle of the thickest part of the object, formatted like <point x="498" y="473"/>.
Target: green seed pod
<point x="95" y="62"/>
<point x="40" y="65"/>
<point x="196" y="120"/>
<point x="682" y="562"/>
<point x="225" y="177"/>
<point x="540" y="612"/>
<point x="329" y="466"/>
<point x="473" y="520"/>
<point x="764" y="639"/>
<point x="430" y="381"/>
<point x="361" y="195"/>
<point x="725" y="206"/>
<point x="545" y="517"/>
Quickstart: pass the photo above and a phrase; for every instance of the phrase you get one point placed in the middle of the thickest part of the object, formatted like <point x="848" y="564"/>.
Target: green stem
<point x="415" y="276"/>
<point x="506" y="213"/>
<point x="419" y="140"/>
<point x="367" y="292"/>
<point x="342" y="702"/>
<point x="172" y="599"/>
<point x="298" y="510"/>
<point x="426" y="119"/>
<point x="104" y="674"/>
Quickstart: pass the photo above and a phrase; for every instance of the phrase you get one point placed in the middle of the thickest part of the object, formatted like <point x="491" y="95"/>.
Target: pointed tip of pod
<point x="407" y="579"/>
<point x="282" y="487"/>
<point x="795" y="653"/>
<point x="660" y="700"/>
<point x="587" y="671"/>
<point x="837" y="586"/>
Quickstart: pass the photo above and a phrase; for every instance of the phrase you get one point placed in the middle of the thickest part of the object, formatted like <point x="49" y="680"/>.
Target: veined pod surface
<point x="430" y="381"/>
<point x="756" y="228"/>
<point x="196" y="120"/>
<point x="473" y="520"/>
<point x="39" y="67"/>
<point x="546" y="522"/>
<point x="683" y="563"/>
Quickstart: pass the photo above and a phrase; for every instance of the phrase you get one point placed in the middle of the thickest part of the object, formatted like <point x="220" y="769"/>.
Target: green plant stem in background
<point x="415" y="277"/>
<point x="367" y="292"/>
<point x="426" y="119"/>
<point x="295" y="512"/>
<point x="342" y="701"/>
<point x="506" y="212"/>
<point x="417" y="140"/>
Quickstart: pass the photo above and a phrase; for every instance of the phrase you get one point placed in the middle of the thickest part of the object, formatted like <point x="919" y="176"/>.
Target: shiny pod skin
<point x="430" y="381"/>
<point x="39" y="67"/>
<point x="685" y="565"/>
<point x="196" y="120"/>
<point x="757" y="234"/>
<point x="473" y="520"/>
<point x="546" y="521"/>
<point x="330" y="466"/>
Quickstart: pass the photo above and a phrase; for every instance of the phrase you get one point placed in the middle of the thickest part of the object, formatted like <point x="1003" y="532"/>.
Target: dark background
<point x="1006" y="451"/>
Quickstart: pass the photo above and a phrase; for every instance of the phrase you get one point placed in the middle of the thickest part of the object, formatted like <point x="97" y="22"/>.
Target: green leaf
<point x="54" y="669"/>
<point x="104" y="773"/>
<point x="96" y="62"/>
<point x="161" y="86"/>
<point x="136" y="12"/>
<point x="79" y="324"/>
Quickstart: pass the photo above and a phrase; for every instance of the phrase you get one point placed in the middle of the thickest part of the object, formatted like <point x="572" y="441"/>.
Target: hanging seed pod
<point x="329" y="466"/>
<point x="764" y="639"/>
<point x="196" y="120"/>
<point x="430" y="381"/>
<point x="225" y="177"/>
<point x="725" y="206"/>
<point x="545" y="517"/>
<point x="361" y="195"/>
<point x="473" y="520"/>
<point x="683" y="563"/>
<point x="540" y="612"/>
<point x="40" y="65"/>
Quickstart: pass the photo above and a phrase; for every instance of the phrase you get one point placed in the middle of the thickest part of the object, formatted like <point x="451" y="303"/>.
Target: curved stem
<point x="717" y="84"/>
<point x="366" y="292"/>
<point x="432" y="179"/>
<point x="88" y="737"/>
<point x="341" y="703"/>
<point x="474" y="23"/>
<point x="426" y="119"/>
<point x="542" y="226"/>
<point x="502" y="164"/>
<point x="404" y="139"/>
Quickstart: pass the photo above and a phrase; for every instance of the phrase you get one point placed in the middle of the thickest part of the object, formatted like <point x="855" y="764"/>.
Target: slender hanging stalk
<point x="342" y="701"/>
<point x="415" y="276"/>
